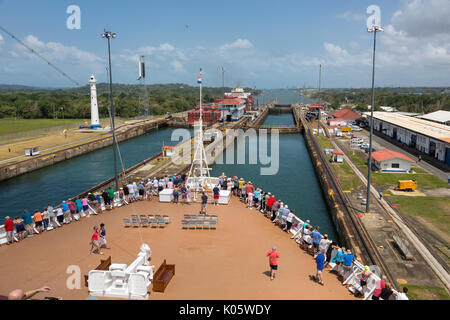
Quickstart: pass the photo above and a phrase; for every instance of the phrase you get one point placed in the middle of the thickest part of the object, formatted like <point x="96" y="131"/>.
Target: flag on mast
<point x="199" y="79"/>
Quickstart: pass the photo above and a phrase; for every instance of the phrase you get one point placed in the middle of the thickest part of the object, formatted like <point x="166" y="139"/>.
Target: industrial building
<point x="428" y="137"/>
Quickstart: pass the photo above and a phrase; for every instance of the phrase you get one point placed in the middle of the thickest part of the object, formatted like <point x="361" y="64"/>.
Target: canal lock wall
<point x="15" y="169"/>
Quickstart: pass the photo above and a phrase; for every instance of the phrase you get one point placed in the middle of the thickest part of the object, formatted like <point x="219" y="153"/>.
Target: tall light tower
<point x="108" y="35"/>
<point x="373" y="29"/>
<point x="95" y="121"/>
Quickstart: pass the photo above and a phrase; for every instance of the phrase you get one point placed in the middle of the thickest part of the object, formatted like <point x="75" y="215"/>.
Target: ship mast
<point x="199" y="171"/>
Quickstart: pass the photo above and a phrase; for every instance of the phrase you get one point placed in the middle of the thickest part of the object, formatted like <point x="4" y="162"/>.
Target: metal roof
<point x="431" y="129"/>
<point x="440" y="116"/>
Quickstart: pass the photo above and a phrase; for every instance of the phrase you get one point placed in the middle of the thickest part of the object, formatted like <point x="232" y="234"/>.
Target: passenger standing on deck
<point x="188" y="194"/>
<point x="20" y="228"/>
<point x="52" y="216"/>
<point x="85" y="204"/>
<point x="324" y="243"/>
<point x="339" y="259"/>
<point x="135" y="190"/>
<point x="379" y="286"/>
<point x="60" y="215"/>
<point x="204" y="202"/>
<point x="9" y="228"/>
<point x="66" y="212"/>
<point x="45" y="218"/>
<point x="270" y="202"/>
<point x="250" y="196"/>
<point x="365" y="275"/>
<point x="176" y="195"/>
<point x="235" y="186"/>
<point x="257" y="198"/>
<point x="348" y="263"/>
<point x="160" y="185"/>
<point x="37" y="216"/>
<point x="28" y="221"/>
<point x="320" y="261"/>
<point x="102" y="240"/>
<point x="148" y="190"/>
<point x="240" y="185"/>
<point x="216" y="194"/>
<point x="273" y="261"/>
<point x="71" y="208"/>
<point x="130" y="192"/>
<point x="289" y="220"/>
<point x="126" y="193"/>
<point x="99" y="202"/>
<point x="106" y="199"/>
<point x="183" y="190"/>
<point x="317" y="236"/>
<point x="111" y="195"/>
<point x="79" y="206"/>
<point x="94" y="241"/>
<point x="249" y="188"/>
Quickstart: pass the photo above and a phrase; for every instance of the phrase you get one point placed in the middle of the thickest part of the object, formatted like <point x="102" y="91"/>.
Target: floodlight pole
<point x="318" y="115"/>
<point x="374" y="29"/>
<point x="108" y="35"/>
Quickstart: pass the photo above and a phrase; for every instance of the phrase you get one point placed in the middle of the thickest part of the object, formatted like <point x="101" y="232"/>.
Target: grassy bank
<point x="11" y="126"/>
<point x="435" y="210"/>
<point x="426" y="293"/>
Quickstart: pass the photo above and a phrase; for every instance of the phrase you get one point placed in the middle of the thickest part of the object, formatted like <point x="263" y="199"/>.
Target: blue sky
<point x="267" y="44"/>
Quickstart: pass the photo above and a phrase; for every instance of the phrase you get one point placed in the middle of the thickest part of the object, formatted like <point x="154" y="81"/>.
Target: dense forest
<point x="415" y="100"/>
<point x="33" y="103"/>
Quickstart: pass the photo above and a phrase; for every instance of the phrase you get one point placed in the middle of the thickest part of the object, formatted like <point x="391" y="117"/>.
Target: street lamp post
<point x="374" y="29"/>
<point x="318" y="115"/>
<point x="108" y="35"/>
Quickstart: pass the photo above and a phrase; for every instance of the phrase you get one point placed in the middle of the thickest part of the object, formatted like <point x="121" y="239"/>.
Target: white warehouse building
<point x="428" y="137"/>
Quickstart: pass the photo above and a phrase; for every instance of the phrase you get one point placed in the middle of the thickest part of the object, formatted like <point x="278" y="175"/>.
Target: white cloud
<point x="419" y="18"/>
<point x="238" y="44"/>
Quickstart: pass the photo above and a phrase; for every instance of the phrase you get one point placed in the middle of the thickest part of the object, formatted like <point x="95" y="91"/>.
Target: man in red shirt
<point x="273" y="262"/>
<point x="249" y="188"/>
<point x="269" y="204"/>
<point x="9" y="228"/>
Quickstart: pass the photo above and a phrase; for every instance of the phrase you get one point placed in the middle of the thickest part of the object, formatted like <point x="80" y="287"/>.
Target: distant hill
<point x="119" y="88"/>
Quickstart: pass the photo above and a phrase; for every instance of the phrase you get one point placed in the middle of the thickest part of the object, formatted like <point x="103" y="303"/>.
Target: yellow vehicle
<point x="346" y="129"/>
<point x="407" y="185"/>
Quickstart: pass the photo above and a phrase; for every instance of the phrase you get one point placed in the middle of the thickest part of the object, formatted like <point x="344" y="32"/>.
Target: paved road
<point x="422" y="164"/>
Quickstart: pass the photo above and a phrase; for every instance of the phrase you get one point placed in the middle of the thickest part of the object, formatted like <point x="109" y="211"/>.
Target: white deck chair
<point x="98" y="281"/>
<point x="138" y="285"/>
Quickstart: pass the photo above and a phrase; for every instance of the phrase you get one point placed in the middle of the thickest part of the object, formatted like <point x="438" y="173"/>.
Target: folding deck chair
<point x="144" y="220"/>
<point x="126" y="223"/>
<point x="135" y="221"/>
<point x="166" y="219"/>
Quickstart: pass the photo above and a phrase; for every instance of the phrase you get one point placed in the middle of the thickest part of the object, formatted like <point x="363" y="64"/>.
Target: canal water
<point x="66" y="179"/>
<point x="295" y="183"/>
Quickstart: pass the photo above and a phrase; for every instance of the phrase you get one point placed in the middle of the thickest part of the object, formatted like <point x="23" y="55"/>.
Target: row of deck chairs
<point x="143" y="220"/>
<point x="199" y="222"/>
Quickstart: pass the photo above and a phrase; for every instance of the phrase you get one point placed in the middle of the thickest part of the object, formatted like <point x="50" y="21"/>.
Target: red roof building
<point x="386" y="154"/>
<point x="346" y="114"/>
<point x="316" y="105"/>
